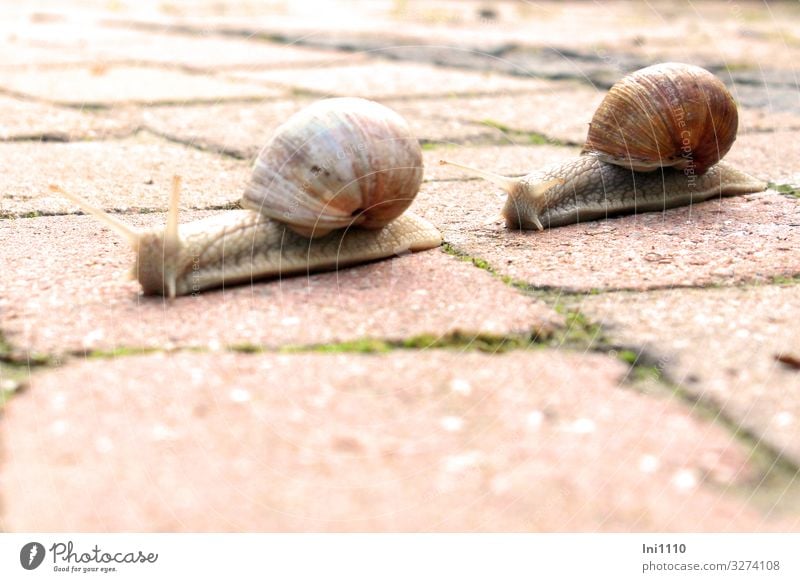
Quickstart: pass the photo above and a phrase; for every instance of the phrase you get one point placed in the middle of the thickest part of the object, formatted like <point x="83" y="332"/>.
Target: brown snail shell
<point x="338" y="163"/>
<point x="671" y="114"/>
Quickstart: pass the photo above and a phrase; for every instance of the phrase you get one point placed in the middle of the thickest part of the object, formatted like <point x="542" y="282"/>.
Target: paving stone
<point x="124" y="175"/>
<point x="761" y="155"/>
<point x="508" y="160"/>
<point x="559" y="111"/>
<point x="196" y="51"/>
<point x="242" y="129"/>
<point x="743" y="238"/>
<point x="103" y="85"/>
<point x="27" y="120"/>
<point x="76" y="268"/>
<point x="380" y="80"/>
<point x="427" y="441"/>
<point x="743" y="328"/>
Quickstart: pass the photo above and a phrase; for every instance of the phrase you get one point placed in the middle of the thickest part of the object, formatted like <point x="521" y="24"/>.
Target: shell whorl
<point x="337" y="163"/>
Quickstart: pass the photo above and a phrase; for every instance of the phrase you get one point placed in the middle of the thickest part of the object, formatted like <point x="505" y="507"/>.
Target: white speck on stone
<point x="289" y="321"/>
<point x="9" y="385"/>
<point x="240" y="395"/>
<point x="684" y="480"/>
<point x="321" y="399"/>
<point x="421" y="292"/>
<point x="103" y="444"/>
<point x="197" y="376"/>
<point x="534" y="419"/>
<point x="582" y="426"/>
<point x="461" y="386"/>
<point x="649" y="464"/>
<point x="214" y="345"/>
<point x="500" y="484"/>
<point x="784" y="419"/>
<point x="59" y="401"/>
<point x="297" y="415"/>
<point x="91" y="338"/>
<point x="452" y="423"/>
<point x="162" y="433"/>
<point x="459" y="463"/>
<point x="59" y="427"/>
<point x="742" y="333"/>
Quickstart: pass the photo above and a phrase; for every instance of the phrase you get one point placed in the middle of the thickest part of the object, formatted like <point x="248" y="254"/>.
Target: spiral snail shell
<point x="330" y="189"/>
<point x="676" y="118"/>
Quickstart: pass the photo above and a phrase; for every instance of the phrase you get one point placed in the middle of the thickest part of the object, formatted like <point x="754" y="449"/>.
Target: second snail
<point x="655" y="142"/>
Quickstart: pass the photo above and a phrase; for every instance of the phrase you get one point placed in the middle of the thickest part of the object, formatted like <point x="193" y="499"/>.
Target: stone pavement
<point x="634" y="374"/>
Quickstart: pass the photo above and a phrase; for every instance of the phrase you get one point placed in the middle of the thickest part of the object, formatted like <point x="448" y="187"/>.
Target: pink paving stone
<point x="77" y="268"/>
<point x="20" y="120"/>
<point x="507" y="160"/>
<point x="744" y="238"/>
<point x="559" y="110"/>
<point x="382" y="80"/>
<point x="425" y="441"/>
<point x="771" y="156"/>
<point x="242" y="129"/>
<point x="202" y="51"/>
<point x="126" y="175"/>
<point x="742" y="329"/>
<point x="104" y="85"/>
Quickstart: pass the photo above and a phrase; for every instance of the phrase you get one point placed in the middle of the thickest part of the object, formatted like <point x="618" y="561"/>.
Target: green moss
<point x="120" y="352"/>
<point x="788" y="189"/>
<point x="516" y="135"/>
<point x="461" y="341"/>
<point x="785" y="280"/>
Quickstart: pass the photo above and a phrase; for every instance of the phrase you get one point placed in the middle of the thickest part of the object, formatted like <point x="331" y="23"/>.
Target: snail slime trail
<point x="331" y="189"/>
<point x="672" y="117"/>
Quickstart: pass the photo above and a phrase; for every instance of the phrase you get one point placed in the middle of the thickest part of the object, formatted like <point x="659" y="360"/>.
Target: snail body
<point x="654" y="143"/>
<point x="329" y="190"/>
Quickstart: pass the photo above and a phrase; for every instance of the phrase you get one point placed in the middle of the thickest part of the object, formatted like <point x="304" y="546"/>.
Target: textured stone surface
<point x="77" y="269"/>
<point x="510" y="160"/>
<point x="201" y="51"/>
<point x="391" y="79"/>
<point x="108" y="85"/>
<point x="768" y="156"/>
<point x="126" y="175"/>
<point x="744" y="238"/>
<point x="408" y="441"/>
<point x="739" y="332"/>
<point x="242" y="129"/>
<point x="559" y="112"/>
<point x="22" y="120"/>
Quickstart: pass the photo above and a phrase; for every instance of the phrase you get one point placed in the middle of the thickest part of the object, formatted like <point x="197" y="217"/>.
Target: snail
<point x="329" y="190"/>
<point x="676" y="118"/>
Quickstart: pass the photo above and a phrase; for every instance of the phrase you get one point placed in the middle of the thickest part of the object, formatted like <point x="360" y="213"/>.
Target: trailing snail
<point x="328" y="190"/>
<point x="679" y="119"/>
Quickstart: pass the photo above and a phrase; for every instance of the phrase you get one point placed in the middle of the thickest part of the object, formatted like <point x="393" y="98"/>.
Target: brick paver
<point x="561" y="434"/>
<point x="104" y="85"/>
<point x="740" y="239"/>
<point x="129" y="175"/>
<point x="432" y="441"/>
<point x="27" y="120"/>
<point x="745" y="330"/>
<point x="78" y="269"/>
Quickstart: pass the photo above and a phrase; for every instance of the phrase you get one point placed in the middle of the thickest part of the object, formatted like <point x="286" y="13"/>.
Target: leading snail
<point x="676" y="118"/>
<point x="329" y="190"/>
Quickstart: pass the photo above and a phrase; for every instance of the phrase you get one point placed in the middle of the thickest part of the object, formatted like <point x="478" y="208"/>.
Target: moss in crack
<point x="776" y="474"/>
<point x="786" y="189"/>
<point x="459" y="341"/>
<point x="119" y="352"/>
<point x="516" y="135"/>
